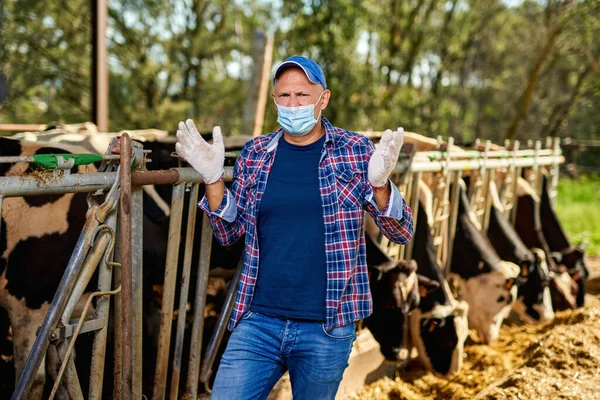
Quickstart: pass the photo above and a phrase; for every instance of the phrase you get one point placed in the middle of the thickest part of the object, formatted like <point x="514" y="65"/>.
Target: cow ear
<point x="426" y="285"/>
<point x="524" y="269"/>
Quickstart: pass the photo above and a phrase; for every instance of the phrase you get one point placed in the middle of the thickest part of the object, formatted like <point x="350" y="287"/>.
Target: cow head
<point x="395" y="293"/>
<point x="440" y="333"/>
<point x="534" y="304"/>
<point x="573" y="260"/>
<point x="563" y="289"/>
<point x="490" y="295"/>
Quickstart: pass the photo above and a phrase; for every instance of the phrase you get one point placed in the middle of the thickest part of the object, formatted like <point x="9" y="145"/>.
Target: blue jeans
<point x="262" y="348"/>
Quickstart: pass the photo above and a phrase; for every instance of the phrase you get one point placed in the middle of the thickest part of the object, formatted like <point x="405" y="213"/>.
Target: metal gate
<point x="111" y="241"/>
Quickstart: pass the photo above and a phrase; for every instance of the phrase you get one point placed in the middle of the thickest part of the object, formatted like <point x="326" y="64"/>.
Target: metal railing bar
<point x="183" y="293"/>
<point x="191" y="390"/>
<point x="126" y="269"/>
<point x="164" y="338"/>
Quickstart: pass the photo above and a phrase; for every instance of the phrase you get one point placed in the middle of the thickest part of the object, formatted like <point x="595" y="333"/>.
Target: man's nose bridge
<point x="294" y="100"/>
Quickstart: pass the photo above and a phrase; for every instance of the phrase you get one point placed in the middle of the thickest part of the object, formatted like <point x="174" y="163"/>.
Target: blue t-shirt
<point x="291" y="237"/>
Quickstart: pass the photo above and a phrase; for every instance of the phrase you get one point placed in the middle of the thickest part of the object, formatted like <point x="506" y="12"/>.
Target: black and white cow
<point x="395" y="290"/>
<point x="33" y="228"/>
<point x="32" y="231"/>
<point x="439" y="325"/>
<point x="533" y="303"/>
<point x="485" y="281"/>
<point x="563" y="252"/>
<point x="529" y="225"/>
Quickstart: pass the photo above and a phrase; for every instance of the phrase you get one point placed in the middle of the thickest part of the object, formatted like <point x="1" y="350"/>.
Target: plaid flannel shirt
<point x="345" y="193"/>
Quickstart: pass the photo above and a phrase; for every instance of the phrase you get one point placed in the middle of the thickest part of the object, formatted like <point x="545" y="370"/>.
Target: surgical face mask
<point x="297" y="121"/>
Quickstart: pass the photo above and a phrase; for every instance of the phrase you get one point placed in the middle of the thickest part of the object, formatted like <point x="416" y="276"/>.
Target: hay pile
<point x="556" y="360"/>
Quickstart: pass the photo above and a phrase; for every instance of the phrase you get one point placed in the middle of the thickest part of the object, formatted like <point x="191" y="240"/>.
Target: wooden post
<point x="256" y="101"/>
<point x="99" y="65"/>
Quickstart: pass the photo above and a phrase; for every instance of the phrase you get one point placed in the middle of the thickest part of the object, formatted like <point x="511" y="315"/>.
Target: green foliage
<point x="466" y="68"/>
<point x="577" y="206"/>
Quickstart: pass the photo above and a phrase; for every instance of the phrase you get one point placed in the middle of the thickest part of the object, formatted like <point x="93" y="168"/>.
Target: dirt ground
<point x="559" y="360"/>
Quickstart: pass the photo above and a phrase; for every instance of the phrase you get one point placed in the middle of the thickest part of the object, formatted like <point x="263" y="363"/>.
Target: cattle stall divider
<point x="93" y="250"/>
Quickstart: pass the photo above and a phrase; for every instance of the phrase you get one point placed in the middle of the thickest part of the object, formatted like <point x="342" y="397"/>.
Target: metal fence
<point x="116" y="223"/>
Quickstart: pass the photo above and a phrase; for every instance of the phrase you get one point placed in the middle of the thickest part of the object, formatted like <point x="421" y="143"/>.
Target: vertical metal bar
<point x="164" y="339"/>
<point x="102" y="311"/>
<point x="100" y="64"/>
<point x="137" y="254"/>
<point x="118" y="319"/>
<point x="191" y="387"/>
<point x="555" y="172"/>
<point x="515" y="182"/>
<point x="414" y="206"/>
<point x="439" y="225"/>
<point x="217" y="337"/>
<point x="453" y="215"/>
<point x="537" y="181"/>
<point x="126" y="273"/>
<point x="183" y="294"/>
<point x="65" y="287"/>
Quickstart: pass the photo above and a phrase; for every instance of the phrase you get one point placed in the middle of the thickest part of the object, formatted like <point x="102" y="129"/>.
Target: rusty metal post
<point x="164" y="338"/>
<point x="191" y="387"/>
<point x="183" y="294"/>
<point x="126" y="273"/>
<point x="102" y="312"/>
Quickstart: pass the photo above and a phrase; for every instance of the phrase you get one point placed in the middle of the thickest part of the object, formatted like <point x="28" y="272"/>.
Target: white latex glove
<point x="208" y="160"/>
<point x="384" y="158"/>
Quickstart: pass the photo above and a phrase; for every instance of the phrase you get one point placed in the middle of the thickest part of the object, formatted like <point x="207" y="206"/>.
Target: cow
<point x="485" y="281"/>
<point x="32" y="229"/>
<point x="563" y="252"/>
<point x="528" y="224"/>
<point x="395" y="290"/>
<point x="438" y="326"/>
<point x="533" y="304"/>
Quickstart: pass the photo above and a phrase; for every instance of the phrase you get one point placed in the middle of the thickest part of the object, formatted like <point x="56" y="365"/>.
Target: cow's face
<point x="490" y="297"/>
<point x="395" y="293"/>
<point x="439" y="336"/>
<point x="534" y="304"/>
<point x="574" y="262"/>
<point x="563" y="290"/>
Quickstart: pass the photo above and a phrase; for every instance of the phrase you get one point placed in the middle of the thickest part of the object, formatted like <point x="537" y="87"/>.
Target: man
<point x="298" y="199"/>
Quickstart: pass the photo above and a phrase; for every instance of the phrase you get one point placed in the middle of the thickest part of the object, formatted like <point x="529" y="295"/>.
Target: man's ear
<point x="326" y="97"/>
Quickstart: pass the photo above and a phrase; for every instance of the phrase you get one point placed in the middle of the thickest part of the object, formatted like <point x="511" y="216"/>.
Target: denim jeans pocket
<point x="347" y="331"/>
<point x="248" y="314"/>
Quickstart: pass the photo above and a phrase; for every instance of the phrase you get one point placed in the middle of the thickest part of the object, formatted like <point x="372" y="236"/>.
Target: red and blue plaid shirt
<point x="346" y="194"/>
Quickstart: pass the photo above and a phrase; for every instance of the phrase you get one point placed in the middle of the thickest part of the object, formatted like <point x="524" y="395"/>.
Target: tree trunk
<point x="525" y="98"/>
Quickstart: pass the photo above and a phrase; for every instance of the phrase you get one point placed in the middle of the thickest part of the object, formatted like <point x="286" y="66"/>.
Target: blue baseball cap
<point x="311" y="69"/>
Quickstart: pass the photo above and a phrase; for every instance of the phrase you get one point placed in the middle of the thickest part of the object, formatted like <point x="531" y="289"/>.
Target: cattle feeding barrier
<point x="121" y="276"/>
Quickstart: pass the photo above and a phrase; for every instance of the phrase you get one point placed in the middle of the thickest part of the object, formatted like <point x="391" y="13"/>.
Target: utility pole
<point x="254" y="112"/>
<point x="99" y="65"/>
